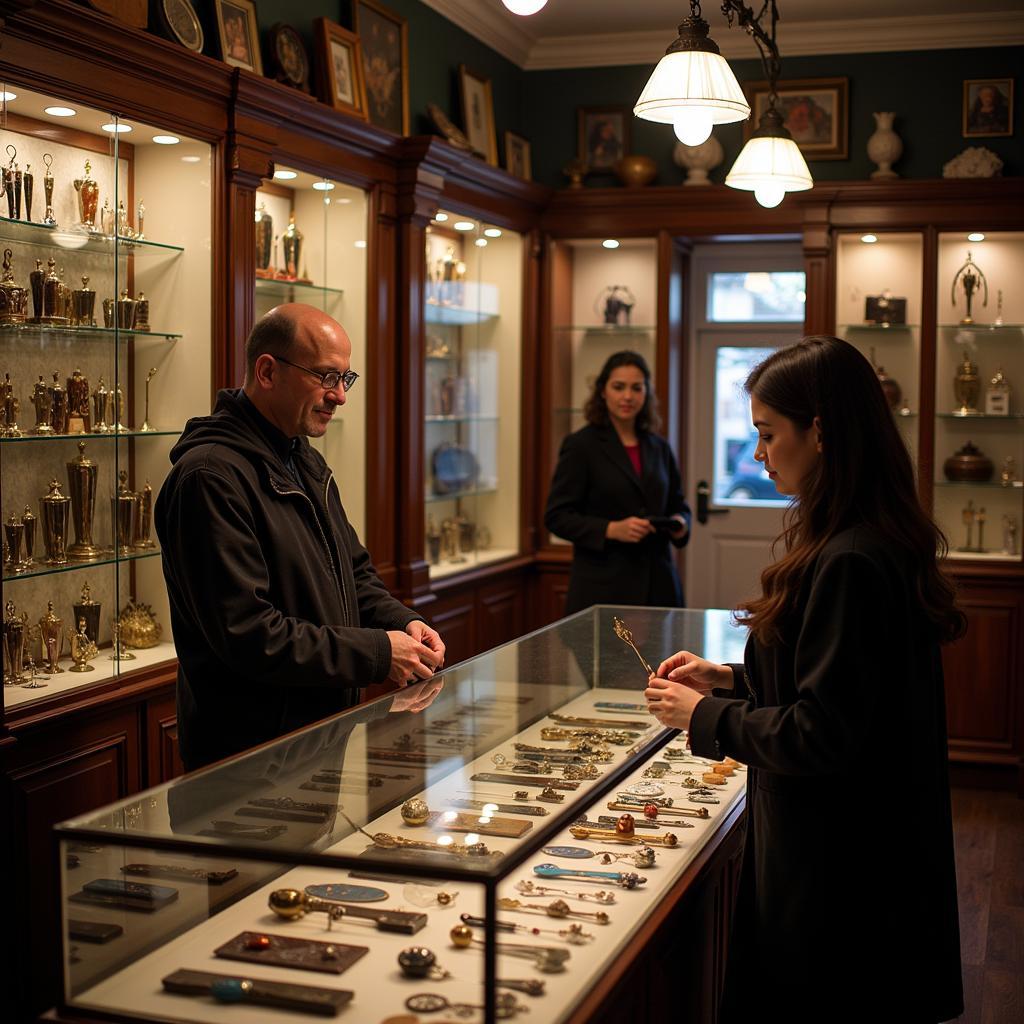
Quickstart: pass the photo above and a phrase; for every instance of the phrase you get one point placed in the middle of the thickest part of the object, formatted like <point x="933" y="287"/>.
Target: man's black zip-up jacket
<point x="278" y="616"/>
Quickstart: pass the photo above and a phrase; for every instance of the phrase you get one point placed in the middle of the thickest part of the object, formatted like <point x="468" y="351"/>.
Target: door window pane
<point x="739" y="479"/>
<point x="775" y="296"/>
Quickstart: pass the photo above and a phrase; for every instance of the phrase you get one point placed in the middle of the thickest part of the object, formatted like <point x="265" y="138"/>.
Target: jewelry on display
<point x="610" y="705"/>
<point x="644" y="789"/>
<point x="625" y="879"/>
<point x="285" y="951"/>
<point x="340" y="892"/>
<point x="642" y="858"/>
<point x="582" y="748"/>
<point x="486" y="805"/>
<point x="713" y="779"/>
<point x="610" y="835"/>
<point x="422" y="896"/>
<point x="529" y="986"/>
<point x="616" y="737"/>
<point x="173" y="871"/>
<point x="427" y="1002"/>
<point x="557" y="908"/>
<point x="482" y="824"/>
<point x="521" y="780"/>
<point x="528" y="887"/>
<point x="420" y="962"/>
<point x="641" y="801"/>
<point x="599" y="723"/>
<point x="572" y="852"/>
<point x="606" y="820"/>
<point x="280" y="996"/>
<point x="292" y="904"/>
<point x="653" y="810"/>
<point x="547" y="959"/>
<point x="386" y="841"/>
<point x="625" y="634"/>
<point x="415" y="812"/>
<point x="548" y="795"/>
<point x="574" y="934"/>
<point x="702" y="797"/>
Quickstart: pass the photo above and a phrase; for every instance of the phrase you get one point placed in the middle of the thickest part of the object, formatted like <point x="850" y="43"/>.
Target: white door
<point x="746" y="301"/>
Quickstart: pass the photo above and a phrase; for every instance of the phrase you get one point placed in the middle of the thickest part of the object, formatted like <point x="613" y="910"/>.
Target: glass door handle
<point x="703" y="506"/>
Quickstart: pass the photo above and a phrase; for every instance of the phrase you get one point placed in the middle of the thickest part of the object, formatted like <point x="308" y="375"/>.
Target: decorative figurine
<point x="88" y="199"/>
<point x="966" y="385"/>
<point x="83" y="650"/>
<point x="139" y="628"/>
<point x="124" y="229"/>
<point x="107" y="219"/>
<point x="1010" y="530"/>
<point x="41" y="403"/>
<point x="28" y="187"/>
<point x="118" y="426"/>
<point x="615" y="304"/>
<point x="88" y="611"/>
<point x="51" y="633"/>
<point x="58" y="406"/>
<point x="79" y="416"/>
<point x="55" y="508"/>
<point x="12" y="186"/>
<point x="14" y="645"/>
<point x="48" y="219"/>
<point x="140" y="220"/>
<point x="101" y="408"/>
<point x="292" y="242"/>
<point x="13" y="297"/>
<point x="142" y="313"/>
<point x="33" y="683"/>
<point x="264" y="242"/>
<point x="118" y="650"/>
<point x="82" y="478"/>
<point x="147" y="427"/>
<point x="144" y="520"/>
<point x="972" y="277"/>
<point x="125" y="512"/>
<point x="997" y="395"/>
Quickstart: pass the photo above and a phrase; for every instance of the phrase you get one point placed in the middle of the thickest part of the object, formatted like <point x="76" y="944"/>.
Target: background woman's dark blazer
<point x="595" y="483"/>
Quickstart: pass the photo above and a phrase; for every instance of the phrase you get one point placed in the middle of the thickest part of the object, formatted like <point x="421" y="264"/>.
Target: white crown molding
<point x="486" y="22"/>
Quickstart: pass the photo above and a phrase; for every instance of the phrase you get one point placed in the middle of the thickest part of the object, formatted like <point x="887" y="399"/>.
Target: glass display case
<point x="105" y="315"/>
<point x="979" y="371"/>
<point x="311" y="246"/>
<point x="473" y="344"/>
<point x="421" y="852"/>
<point x="878" y="310"/>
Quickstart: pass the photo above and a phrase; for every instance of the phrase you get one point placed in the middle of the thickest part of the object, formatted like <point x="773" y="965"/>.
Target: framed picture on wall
<point x="340" y="61"/>
<point x="815" y="110"/>
<point x="478" y="113"/>
<point x="517" y="156"/>
<point x="988" y="107"/>
<point x="602" y="136"/>
<point x="383" y="38"/>
<point x="239" y="34"/>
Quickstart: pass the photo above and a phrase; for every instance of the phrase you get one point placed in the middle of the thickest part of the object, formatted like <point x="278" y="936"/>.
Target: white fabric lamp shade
<point x="768" y="163"/>
<point x="692" y="80"/>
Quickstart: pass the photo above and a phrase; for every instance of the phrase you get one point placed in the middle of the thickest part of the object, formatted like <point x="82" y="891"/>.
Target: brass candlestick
<point x="148" y="427"/>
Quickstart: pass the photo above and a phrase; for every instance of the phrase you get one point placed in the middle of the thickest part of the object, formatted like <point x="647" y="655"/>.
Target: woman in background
<point x="616" y="495"/>
<point x="847" y="904"/>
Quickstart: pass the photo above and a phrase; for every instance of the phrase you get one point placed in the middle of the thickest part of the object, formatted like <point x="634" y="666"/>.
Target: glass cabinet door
<point x="878" y="310"/>
<point x="979" y="373"/>
<point x="105" y="317"/>
<point x="604" y="300"/>
<point x="311" y="238"/>
<point x="472" y="314"/>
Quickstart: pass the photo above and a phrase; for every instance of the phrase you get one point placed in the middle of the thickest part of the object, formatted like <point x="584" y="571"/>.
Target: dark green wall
<point x="924" y="88"/>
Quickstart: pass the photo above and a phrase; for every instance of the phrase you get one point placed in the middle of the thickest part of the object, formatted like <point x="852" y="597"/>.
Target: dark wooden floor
<point x="988" y="828"/>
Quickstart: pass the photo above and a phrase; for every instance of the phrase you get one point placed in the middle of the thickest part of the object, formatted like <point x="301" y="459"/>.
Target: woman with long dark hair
<point x="616" y="494"/>
<point x="847" y="904"/>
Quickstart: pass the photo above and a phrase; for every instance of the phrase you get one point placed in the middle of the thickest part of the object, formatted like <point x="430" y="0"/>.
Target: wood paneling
<point x="163" y="752"/>
<point x="455" y="619"/>
<point x="501" y="613"/>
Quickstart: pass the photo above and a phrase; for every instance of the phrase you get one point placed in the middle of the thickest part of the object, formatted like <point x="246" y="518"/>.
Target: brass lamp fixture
<point x="693" y="89"/>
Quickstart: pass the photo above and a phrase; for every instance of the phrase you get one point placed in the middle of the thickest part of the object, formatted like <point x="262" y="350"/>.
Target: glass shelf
<point x="460" y="419"/>
<point x="987" y="555"/>
<point x="75" y="239"/>
<point x="991" y="484"/>
<point x="46" y="331"/>
<point x="450" y="358"/>
<point x="283" y="289"/>
<point x="107" y="559"/>
<point x="879" y="328"/>
<point x="607" y="328"/>
<point x="431" y="498"/>
<point x="983" y="328"/>
<point x="90" y="436"/>
<point x="972" y="416"/>
<point x="456" y="316"/>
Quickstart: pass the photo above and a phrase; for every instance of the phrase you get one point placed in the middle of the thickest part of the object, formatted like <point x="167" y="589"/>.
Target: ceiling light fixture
<point x="6" y="97"/>
<point x="975" y="236"/>
<point x="480" y="242"/>
<point x="693" y="89"/>
<point x="116" y="127"/>
<point x="166" y="140"/>
<point x="60" y="111"/>
<point x="492" y="232"/>
<point x="463" y="225"/>
<point x="324" y="186"/>
<point x="441" y="218"/>
<point x="611" y="243"/>
<point x="285" y="175"/>
<point x="524" y="8"/>
<point x="869" y="238"/>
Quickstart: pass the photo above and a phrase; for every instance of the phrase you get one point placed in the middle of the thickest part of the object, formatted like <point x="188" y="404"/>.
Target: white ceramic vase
<point x="885" y="147"/>
<point x="698" y="161"/>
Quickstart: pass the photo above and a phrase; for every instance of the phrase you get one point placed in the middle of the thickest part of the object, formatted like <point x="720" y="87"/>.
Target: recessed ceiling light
<point x="6" y="97"/>
<point x="360" y="244"/>
<point x="190" y="159"/>
<point x="323" y="186"/>
<point x="116" y="127"/>
<point x="611" y="243"/>
<point x="60" y="111"/>
<point x="975" y="236"/>
<point x="166" y="140"/>
<point x="463" y="225"/>
<point x="285" y="175"/>
<point x="492" y="232"/>
<point x="441" y="218"/>
<point x="869" y="238"/>
<point x="481" y="242"/>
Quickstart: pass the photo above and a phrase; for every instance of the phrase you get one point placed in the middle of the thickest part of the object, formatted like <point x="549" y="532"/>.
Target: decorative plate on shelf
<point x="291" y="62"/>
<point x="180" y="22"/>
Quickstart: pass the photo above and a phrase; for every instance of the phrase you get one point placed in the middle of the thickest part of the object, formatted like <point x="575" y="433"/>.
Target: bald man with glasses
<point x="279" y="617"/>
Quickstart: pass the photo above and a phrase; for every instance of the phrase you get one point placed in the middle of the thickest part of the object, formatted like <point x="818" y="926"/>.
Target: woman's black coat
<point x="594" y="483"/>
<point x="847" y="905"/>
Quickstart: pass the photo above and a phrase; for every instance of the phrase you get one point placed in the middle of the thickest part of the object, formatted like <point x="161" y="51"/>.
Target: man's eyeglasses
<point x="329" y="380"/>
